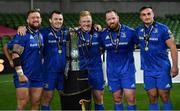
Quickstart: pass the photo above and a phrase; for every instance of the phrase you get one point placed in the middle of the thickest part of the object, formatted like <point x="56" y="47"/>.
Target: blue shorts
<point x="53" y="80"/>
<point x="123" y="82"/>
<point x="28" y="84"/>
<point x="160" y="81"/>
<point x="96" y="79"/>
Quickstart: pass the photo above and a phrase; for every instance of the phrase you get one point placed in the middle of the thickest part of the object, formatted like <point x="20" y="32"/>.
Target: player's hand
<point x="21" y="30"/>
<point x="174" y="71"/>
<point x="23" y="78"/>
<point x="97" y="27"/>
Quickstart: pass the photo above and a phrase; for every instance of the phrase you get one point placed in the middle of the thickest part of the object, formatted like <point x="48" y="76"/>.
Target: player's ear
<point x="79" y="22"/>
<point x="27" y="20"/>
<point x="50" y="21"/>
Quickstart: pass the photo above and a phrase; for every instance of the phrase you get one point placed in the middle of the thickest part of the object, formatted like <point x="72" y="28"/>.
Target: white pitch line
<point x="6" y="82"/>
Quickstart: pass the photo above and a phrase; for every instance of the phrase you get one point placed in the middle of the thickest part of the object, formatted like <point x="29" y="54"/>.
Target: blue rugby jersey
<point x="120" y="49"/>
<point x="89" y="50"/>
<point x="10" y="44"/>
<point x="155" y="59"/>
<point x="31" y="58"/>
<point x="54" y="61"/>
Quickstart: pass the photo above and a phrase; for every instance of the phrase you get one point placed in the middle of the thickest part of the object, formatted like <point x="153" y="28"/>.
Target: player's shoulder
<point x="161" y="26"/>
<point x="17" y="36"/>
<point x="139" y="27"/>
<point x="65" y="29"/>
<point x="105" y="30"/>
<point x="126" y="27"/>
<point x="45" y="29"/>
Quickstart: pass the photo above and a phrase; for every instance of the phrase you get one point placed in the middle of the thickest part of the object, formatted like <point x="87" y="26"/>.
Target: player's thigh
<point x="22" y="93"/>
<point x="36" y="88"/>
<point x="22" y="89"/>
<point x="35" y="94"/>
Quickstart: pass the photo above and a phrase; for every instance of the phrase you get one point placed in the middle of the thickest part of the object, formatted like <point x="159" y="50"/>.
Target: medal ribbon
<point x="37" y="38"/>
<point x="115" y="42"/>
<point x="84" y="41"/>
<point x="59" y="39"/>
<point x="147" y="36"/>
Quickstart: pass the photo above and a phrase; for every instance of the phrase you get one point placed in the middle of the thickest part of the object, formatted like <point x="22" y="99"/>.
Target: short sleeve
<point x="167" y="34"/>
<point x="20" y="40"/>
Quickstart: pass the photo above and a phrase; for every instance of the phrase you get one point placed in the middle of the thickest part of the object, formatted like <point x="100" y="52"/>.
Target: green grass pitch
<point x="8" y="98"/>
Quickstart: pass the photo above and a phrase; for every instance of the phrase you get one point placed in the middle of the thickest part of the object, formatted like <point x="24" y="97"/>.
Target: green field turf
<point x="8" y="99"/>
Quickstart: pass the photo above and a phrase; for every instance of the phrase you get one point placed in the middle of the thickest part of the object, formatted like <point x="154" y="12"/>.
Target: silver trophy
<point x="75" y="59"/>
<point x="72" y="53"/>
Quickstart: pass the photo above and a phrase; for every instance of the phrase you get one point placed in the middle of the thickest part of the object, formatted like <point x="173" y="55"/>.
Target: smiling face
<point x="34" y="20"/>
<point x="147" y="16"/>
<point x="56" y="20"/>
<point x="85" y="23"/>
<point x="112" y="20"/>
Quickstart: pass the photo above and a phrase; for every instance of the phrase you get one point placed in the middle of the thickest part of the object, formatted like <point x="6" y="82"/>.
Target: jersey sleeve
<point x="20" y="40"/>
<point x="167" y="34"/>
<point x="10" y="44"/>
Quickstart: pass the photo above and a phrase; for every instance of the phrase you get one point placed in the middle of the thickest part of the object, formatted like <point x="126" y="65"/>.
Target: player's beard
<point x="32" y="26"/>
<point x="114" y="26"/>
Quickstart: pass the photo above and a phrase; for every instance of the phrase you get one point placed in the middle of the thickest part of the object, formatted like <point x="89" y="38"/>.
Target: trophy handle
<point x="83" y="103"/>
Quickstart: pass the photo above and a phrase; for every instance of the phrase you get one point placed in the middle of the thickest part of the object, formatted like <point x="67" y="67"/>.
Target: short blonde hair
<point x="84" y="13"/>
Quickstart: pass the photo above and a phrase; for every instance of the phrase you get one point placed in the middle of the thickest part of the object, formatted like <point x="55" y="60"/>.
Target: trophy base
<point x="76" y="88"/>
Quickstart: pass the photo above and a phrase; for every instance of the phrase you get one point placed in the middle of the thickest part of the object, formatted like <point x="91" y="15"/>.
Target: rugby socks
<point x="118" y="107"/>
<point x="45" y="108"/>
<point x="131" y="107"/>
<point x="167" y="105"/>
<point x="154" y="106"/>
<point x="99" y="107"/>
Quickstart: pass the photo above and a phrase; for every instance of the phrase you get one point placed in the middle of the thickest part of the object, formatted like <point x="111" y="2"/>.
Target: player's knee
<point x="131" y="100"/>
<point x="22" y="102"/>
<point x="117" y="98"/>
<point x="47" y="97"/>
<point x="153" y="97"/>
<point x="164" y="97"/>
<point x="98" y="99"/>
<point x="35" y="102"/>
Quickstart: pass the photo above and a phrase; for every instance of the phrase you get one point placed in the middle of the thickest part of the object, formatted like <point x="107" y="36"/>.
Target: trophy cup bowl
<point x="74" y="54"/>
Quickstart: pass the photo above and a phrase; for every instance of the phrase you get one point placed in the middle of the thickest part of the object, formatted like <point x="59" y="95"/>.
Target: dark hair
<point x="144" y="7"/>
<point x="32" y="11"/>
<point x="54" y="12"/>
<point x="111" y="10"/>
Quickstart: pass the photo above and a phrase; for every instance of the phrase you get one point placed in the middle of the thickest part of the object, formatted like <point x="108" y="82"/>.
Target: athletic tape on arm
<point x="18" y="49"/>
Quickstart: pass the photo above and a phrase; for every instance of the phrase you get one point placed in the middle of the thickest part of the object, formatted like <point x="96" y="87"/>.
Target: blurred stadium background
<point x="13" y="14"/>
